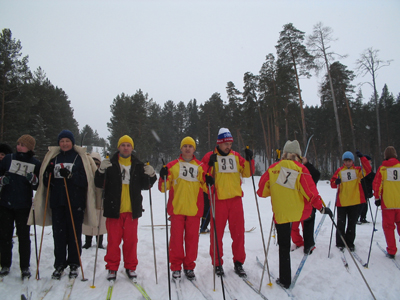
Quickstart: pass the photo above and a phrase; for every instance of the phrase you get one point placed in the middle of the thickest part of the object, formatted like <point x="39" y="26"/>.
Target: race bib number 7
<point x="393" y="174"/>
<point x="287" y="178"/>
<point x="21" y="168"/>
<point x="227" y="164"/>
<point x="188" y="171"/>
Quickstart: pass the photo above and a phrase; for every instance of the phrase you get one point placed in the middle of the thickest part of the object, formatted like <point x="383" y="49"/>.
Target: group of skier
<point x="75" y="188"/>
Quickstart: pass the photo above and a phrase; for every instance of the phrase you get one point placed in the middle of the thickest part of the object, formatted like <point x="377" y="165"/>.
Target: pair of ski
<point x="49" y="285"/>
<point x="25" y="295"/>
<point x="134" y="282"/>
<point x="178" y="288"/>
<point x="396" y="263"/>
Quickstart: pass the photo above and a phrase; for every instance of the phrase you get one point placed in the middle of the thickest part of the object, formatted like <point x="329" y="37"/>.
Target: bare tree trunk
<point x="351" y="121"/>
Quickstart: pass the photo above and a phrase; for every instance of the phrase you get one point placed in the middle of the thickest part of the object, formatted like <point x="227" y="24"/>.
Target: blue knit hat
<point x="66" y="134"/>
<point x="348" y="155"/>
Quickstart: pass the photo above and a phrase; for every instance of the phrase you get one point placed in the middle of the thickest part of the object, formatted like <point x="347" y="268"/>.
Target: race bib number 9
<point x="227" y="164"/>
<point x="348" y="175"/>
<point x="393" y="174"/>
<point x="21" y="168"/>
<point x="57" y="169"/>
<point x="287" y="178"/>
<point x="188" y="171"/>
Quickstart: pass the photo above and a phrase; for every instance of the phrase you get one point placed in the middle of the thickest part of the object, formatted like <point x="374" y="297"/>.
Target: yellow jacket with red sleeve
<point x="186" y="183"/>
<point x="229" y="169"/>
<point x="386" y="184"/>
<point x="350" y="189"/>
<point x="292" y="190"/>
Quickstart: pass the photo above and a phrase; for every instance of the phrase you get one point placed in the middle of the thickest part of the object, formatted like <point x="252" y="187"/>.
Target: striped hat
<point x="224" y="135"/>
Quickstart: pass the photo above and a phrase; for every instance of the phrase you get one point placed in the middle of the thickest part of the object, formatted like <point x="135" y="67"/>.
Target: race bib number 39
<point x="348" y="175"/>
<point x="21" y="168"/>
<point x="393" y="174"/>
<point x="188" y="171"/>
<point x="227" y="164"/>
<point x="287" y="178"/>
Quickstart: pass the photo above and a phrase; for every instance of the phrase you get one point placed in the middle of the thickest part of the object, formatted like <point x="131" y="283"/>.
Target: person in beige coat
<point x="98" y="231"/>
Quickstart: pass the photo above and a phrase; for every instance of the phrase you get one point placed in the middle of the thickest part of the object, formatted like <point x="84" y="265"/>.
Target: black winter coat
<point x="113" y="187"/>
<point x="18" y="193"/>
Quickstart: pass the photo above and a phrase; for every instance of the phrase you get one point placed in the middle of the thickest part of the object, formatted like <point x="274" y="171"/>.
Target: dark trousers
<point x="205" y="220"/>
<point x="308" y="232"/>
<point x="65" y="251"/>
<point x="349" y="214"/>
<point x="89" y="238"/>
<point x="363" y="210"/>
<point x="7" y="219"/>
<point x="285" y="272"/>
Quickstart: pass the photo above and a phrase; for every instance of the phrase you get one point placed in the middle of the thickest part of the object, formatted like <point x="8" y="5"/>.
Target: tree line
<point x="266" y="112"/>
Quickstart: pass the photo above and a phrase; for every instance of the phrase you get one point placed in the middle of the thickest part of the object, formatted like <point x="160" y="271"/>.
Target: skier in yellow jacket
<point x="185" y="180"/>
<point x="293" y="195"/>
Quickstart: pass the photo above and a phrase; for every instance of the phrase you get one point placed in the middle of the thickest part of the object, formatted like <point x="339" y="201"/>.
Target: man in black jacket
<point x="123" y="177"/>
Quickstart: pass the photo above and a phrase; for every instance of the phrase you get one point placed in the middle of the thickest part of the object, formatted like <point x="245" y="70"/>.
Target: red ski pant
<point x="391" y="219"/>
<point x="184" y="242"/>
<point x="230" y="210"/>
<point x="295" y="234"/>
<point x="122" y="229"/>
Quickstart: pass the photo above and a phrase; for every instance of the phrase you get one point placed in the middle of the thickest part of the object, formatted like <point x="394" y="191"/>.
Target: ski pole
<point x="34" y="229"/>
<point x="334" y="212"/>
<point x="166" y="233"/>
<point x="73" y="227"/>
<point x="152" y="230"/>
<point x="372" y="237"/>
<point x="308" y="143"/>
<point x="44" y="222"/>
<point x="354" y="260"/>
<point x="265" y="260"/>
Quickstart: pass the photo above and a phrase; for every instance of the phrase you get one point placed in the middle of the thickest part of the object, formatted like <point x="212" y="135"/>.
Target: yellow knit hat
<point x="188" y="141"/>
<point x="126" y="139"/>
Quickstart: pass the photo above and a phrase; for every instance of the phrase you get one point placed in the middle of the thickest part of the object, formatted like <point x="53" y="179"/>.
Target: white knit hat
<point x="292" y="147"/>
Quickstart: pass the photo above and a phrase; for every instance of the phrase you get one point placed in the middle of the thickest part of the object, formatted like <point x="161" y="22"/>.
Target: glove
<point x="64" y="172"/>
<point x="213" y="159"/>
<point x="209" y="180"/>
<point x="149" y="170"/>
<point x="164" y="172"/>
<point x="378" y="202"/>
<point x="31" y="177"/>
<point x="4" y="180"/>
<point x="249" y="154"/>
<point x="359" y="154"/>
<point x="338" y="181"/>
<point x="326" y="211"/>
<point x="50" y="168"/>
<point x="104" y="165"/>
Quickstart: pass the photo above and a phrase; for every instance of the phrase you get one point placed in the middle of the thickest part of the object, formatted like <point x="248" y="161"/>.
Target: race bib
<point x="227" y="164"/>
<point x="393" y="174"/>
<point x="188" y="171"/>
<point x="21" y="168"/>
<point x="287" y="178"/>
<point x="57" y="169"/>
<point x="348" y="175"/>
<point x="125" y="174"/>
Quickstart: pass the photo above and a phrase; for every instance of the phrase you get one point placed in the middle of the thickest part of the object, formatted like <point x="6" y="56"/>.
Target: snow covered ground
<point x="321" y="277"/>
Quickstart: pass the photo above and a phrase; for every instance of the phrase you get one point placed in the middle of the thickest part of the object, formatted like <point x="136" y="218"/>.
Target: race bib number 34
<point x="227" y="164"/>
<point x="188" y="171"/>
<point x="393" y="174"/>
<point x="287" y="178"/>
<point x="21" y="168"/>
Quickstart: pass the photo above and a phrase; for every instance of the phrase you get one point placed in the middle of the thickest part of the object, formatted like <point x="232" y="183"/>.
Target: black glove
<point x="326" y="211"/>
<point x="50" y="168"/>
<point x="359" y="154"/>
<point x="4" y="180"/>
<point x="213" y="159"/>
<point x="338" y="181"/>
<point x="30" y="177"/>
<point x="209" y="180"/>
<point x="164" y="172"/>
<point x="378" y="202"/>
<point x="249" y="154"/>
<point x="64" y="172"/>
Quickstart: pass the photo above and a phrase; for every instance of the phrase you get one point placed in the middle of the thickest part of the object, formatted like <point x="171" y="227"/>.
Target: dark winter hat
<point x="4" y="148"/>
<point x="28" y="141"/>
<point x="348" y="155"/>
<point x="66" y="134"/>
<point x="224" y="135"/>
<point x="368" y="157"/>
<point x="390" y="152"/>
<point x="292" y="147"/>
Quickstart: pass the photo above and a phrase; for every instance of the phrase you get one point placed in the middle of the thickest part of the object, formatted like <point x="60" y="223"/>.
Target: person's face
<point x="187" y="151"/>
<point x="21" y="148"/>
<point x="225" y="147"/>
<point x="348" y="163"/>
<point x="125" y="149"/>
<point x="65" y="144"/>
<point x="2" y="155"/>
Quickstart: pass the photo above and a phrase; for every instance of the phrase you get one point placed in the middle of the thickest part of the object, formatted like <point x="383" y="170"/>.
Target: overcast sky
<point x="183" y="50"/>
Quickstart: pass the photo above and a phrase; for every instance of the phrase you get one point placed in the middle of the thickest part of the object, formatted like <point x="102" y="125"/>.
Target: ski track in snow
<point x="321" y="277"/>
